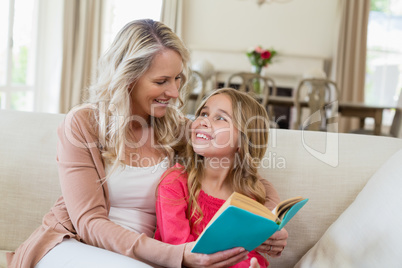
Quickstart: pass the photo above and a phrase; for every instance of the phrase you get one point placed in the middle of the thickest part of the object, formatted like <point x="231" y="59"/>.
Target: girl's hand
<point x="275" y="244"/>
<point x="225" y="258"/>
<point x="254" y="263"/>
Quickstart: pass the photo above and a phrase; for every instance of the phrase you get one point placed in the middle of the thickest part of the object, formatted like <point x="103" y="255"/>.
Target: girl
<point x="228" y="140"/>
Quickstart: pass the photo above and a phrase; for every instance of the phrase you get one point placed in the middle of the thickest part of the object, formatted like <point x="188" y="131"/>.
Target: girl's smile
<point x="213" y="131"/>
<point x="203" y="135"/>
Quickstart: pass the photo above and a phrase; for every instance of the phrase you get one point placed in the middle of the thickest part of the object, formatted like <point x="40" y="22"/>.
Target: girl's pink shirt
<point x="173" y="225"/>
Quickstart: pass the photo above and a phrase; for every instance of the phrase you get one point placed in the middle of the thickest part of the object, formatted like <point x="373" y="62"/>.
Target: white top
<point x="132" y="193"/>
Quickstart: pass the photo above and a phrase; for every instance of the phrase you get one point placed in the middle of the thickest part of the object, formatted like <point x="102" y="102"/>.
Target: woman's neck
<point x="140" y="147"/>
<point x="139" y="122"/>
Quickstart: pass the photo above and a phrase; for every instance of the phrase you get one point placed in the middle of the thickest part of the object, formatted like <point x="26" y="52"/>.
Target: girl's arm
<point x="173" y="227"/>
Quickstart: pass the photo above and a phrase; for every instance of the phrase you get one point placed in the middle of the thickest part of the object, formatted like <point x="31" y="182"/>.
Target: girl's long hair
<point x="127" y="59"/>
<point x="252" y="122"/>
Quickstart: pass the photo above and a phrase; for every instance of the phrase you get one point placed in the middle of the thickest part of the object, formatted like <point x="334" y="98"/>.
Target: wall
<point x="302" y="31"/>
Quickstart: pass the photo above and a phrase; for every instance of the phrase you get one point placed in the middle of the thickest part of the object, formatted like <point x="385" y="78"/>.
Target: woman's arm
<point x="80" y="171"/>
<point x="86" y="196"/>
<point x="277" y="242"/>
<point x="271" y="195"/>
<point x="225" y="258"/>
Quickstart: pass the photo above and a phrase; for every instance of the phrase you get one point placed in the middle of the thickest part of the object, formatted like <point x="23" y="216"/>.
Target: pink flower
<point x="260" y="57"/>
<point x="266" y="54"/>
<point x="259" y="50"/>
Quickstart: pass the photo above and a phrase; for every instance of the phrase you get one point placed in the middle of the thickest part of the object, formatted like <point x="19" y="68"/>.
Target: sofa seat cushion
<point x="368" y="233"/>
<point x="3" y="260"/>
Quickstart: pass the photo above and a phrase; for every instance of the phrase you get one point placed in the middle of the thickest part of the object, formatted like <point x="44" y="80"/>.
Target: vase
<point x="256" y="82"/>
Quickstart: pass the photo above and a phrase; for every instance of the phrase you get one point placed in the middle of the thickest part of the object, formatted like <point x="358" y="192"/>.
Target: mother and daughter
<point x="106" y="216"/>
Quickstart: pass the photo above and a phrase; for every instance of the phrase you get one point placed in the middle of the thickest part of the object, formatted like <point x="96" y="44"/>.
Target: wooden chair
<point x="321" y="96"/>
<point x="197" y="86"/>
<point x="247" y="84"/>
<point x="396" y="126"/>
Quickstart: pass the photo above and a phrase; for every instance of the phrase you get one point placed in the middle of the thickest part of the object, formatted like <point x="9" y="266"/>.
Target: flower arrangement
<point x="260" y="57"/>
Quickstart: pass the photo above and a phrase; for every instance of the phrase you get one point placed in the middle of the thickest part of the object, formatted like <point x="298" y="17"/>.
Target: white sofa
<point x="329" y="169"/>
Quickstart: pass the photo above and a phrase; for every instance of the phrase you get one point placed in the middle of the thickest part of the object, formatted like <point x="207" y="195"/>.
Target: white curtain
<point x="350" y="57"/>
<point x="172" y="15"/>
<point x="81" y="50"/>
<point x="49" y="53"/>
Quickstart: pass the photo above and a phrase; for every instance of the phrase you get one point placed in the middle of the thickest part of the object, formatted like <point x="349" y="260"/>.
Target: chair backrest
<point x="197" y="90"/>
<point x="396" y="126"/>
<point x="257" y="84"/>
<point x="321" y="100"/>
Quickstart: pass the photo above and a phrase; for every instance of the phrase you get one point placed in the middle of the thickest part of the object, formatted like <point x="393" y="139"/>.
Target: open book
<point x="243" y="222"/>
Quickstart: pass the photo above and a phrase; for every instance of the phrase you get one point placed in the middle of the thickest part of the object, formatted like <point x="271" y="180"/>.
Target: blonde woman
<point x="111" y="154"/>
<point x="228" y="139"/>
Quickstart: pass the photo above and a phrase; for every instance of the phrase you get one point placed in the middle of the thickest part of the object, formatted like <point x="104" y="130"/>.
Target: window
<point x="119" y="12"/>
<point x="384" y="54"/>
<point x="17" y="57"/>
<point x="32" y="29"/>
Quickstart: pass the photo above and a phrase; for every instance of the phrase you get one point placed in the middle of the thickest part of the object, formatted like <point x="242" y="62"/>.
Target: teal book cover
<point x="236" y="227"/>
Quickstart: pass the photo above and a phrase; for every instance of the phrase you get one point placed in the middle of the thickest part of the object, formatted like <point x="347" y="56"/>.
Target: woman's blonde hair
<point x="127" y="59"/>
<point x="252" y="122"/>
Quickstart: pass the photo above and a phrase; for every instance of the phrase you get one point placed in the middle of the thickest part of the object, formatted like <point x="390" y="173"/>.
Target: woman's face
<point x="159" y="86"/>
<point x="213" y="132"/>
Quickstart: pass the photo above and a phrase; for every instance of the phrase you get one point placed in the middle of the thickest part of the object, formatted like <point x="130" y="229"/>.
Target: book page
<point x="253" y="206"/>
<point x="285" y="205"/>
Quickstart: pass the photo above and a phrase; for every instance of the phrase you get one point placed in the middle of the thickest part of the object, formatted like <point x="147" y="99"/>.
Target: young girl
<point x="228" y="140"/>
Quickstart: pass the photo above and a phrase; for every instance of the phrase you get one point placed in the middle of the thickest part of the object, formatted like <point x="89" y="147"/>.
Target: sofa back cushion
<point x="328" y="168"/>
<point x="368" y="233"/>
<point x="28" y="173"/>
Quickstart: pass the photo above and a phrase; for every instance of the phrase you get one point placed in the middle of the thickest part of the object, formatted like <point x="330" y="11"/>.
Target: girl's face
<point x="213" y="132"/>
<point x="159" y="86"/>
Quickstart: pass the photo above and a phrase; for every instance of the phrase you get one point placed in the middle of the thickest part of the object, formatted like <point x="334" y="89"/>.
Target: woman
<point x="111" y="154"/>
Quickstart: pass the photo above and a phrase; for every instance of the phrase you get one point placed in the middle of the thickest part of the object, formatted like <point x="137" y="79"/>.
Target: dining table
<point x="351" y="109"/>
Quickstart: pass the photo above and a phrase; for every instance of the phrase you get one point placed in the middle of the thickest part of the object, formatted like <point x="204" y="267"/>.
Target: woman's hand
<point x="225" y="258"/>
<point x="275" y="244"/>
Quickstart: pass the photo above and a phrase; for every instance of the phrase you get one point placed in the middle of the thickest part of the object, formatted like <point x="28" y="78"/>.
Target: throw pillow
<point x="368" y="233"/>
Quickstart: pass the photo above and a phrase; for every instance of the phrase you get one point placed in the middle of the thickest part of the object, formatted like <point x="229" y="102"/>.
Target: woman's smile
<point x="159" y="86"/>
<point x="161" y="101"/>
